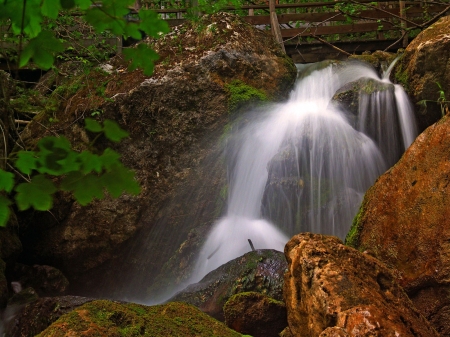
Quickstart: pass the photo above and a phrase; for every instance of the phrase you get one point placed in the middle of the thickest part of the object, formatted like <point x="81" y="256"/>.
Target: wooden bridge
<point x="314" y="31"/>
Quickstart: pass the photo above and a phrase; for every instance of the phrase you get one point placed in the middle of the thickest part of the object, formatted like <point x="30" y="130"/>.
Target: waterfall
<point x="306" y="164"/>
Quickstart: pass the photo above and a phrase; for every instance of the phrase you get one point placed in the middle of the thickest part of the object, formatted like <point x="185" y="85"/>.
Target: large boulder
<point x="424" y="66"/>
<point x="333" y="290"/>
<point x="257" y="271"/>
<point x="404" y="221"/>
<point x="106" y="318"/>
<point x="255" y="314"/>
<point x="174" y="118"/>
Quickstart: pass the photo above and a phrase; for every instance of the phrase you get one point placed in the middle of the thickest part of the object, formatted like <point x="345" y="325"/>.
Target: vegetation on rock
<point x="106" y="318"/>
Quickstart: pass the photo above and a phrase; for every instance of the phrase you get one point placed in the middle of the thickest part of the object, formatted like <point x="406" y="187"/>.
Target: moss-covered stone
<point x="242" y="94"/>
<point x="258" y="271"/>
<point x="255" y="314"/>
<point x="111" y="319"/>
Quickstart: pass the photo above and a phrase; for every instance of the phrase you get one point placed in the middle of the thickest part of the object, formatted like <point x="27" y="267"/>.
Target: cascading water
<point x="305" y="165"/>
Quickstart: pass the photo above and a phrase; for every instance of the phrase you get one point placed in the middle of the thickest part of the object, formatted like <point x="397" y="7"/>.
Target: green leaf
<point x="41" y="49"/>
<point x="26" y="161"/>
<point x="132" y="30"/>
<point x="151" y="24"/>
<point x="90" y="162"/>
<point x="4" y="210"/>
<point x="113" y="131"/>
<point x="6" y="181"/>
<point x="56" y="156"/>
<point x="120" y="180"/>
<point x="92" y="125"/>
<point x="85" y="188"/>
<point x="50" y="8"/>
<point x="109" y="158"/>
<point x="67" y="4"/>
<point x="110" y="16"/>
<point x="142" y="57"/>
<point x="83" y="4"/>
<point x="36" y="194"/>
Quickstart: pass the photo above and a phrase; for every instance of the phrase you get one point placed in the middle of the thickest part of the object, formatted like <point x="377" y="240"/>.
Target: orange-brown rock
<point x="333" y="290"/>
<point x="424" y="67"/>
<point x="405" y="221"/>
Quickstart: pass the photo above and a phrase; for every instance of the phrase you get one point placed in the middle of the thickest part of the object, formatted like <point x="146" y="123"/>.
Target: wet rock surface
<point x="175" y="119"/>
<point x="404" y="221"/>
<point x="255" y="314"/>
<point x="334" y="290"/>
<point x="424" y="64"/>
<point x="106" y="318"/>
<point x="259" y="271"/>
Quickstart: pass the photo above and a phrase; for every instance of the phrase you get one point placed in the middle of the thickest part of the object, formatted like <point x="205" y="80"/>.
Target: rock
<point x="24" y="296"/>
<point x="258" y="271"/>
<point x="255" y="314"/>
<point x="380" y="60"/>
<point x="424" y="64"/>
<point x="329" y="285"/>
<point x="404" y="221"/>
<point x="175" y="119"/>
<point x="106" y="318"/>
<point x="46" y="280"/>
<point x="35" y="317"/>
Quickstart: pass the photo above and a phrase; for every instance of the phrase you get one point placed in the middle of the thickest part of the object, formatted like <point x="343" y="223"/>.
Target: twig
<point x="331" y="45"/>
<point x="398" y="41"/>
<point x="310" y="26"/>
<point x="382" y="10"/>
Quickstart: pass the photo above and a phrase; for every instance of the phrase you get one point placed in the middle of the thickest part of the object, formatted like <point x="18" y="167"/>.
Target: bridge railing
<point x="327" y="19"/>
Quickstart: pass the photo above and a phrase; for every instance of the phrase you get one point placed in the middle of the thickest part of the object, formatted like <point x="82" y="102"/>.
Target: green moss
<point x="401" y="76"/>
<point x="106" y="318"/>
<point x="352" y="238"/>
<point x="242" y="94"/>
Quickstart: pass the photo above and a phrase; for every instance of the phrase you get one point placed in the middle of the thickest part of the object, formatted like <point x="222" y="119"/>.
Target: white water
<point x="319" y="165"/>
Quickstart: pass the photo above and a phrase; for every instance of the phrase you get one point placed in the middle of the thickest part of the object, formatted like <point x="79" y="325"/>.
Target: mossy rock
<point x="111" y="319"/>
<point x="258" y="271"/>
<point x="255" y="314"/>
<point x="242" y="95"/>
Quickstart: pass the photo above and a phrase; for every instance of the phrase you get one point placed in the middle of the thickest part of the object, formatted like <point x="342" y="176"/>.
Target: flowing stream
<point x="306" y="164"/>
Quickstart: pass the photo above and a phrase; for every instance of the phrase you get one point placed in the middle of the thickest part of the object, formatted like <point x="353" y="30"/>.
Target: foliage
<point x="442" y="101"/>
<point x="33" y="27"/>
<point x="87" y="175"/>
<point x="27" y="21"/>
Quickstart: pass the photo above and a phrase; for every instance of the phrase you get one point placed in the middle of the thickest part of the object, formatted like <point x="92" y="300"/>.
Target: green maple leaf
<point x="90" y="162"/>
<point x="50" y="8"/>
<point x="83" y="4"/>
<point x="85" y="187"/>
<point x="4" y="210"/>
<point x="151" y="24"/>
<point x="142" y="57"/>
<point x="109" y="158"/>
<point x="92" y="125"/>
<point x="113" y="131"/>
<point x="110" y="16"/>
<point x="26" y="161"/>
<point x="56" y="156"/>
<point x="119" y="179"/>
<point x="6" y="181"/>
<point x="36" y="194"/>
<point x="41" y="49"/>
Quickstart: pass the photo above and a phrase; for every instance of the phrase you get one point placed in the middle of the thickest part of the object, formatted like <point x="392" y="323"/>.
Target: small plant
<point x="86" y="174"/>
<point x="442" y="101"/>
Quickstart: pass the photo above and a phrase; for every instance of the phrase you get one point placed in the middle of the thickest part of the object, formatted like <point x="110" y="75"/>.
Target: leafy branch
<point x="86" y="174"/>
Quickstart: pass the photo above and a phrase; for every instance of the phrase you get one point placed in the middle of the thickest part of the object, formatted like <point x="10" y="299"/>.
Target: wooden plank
<point x="342" y="29"/>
